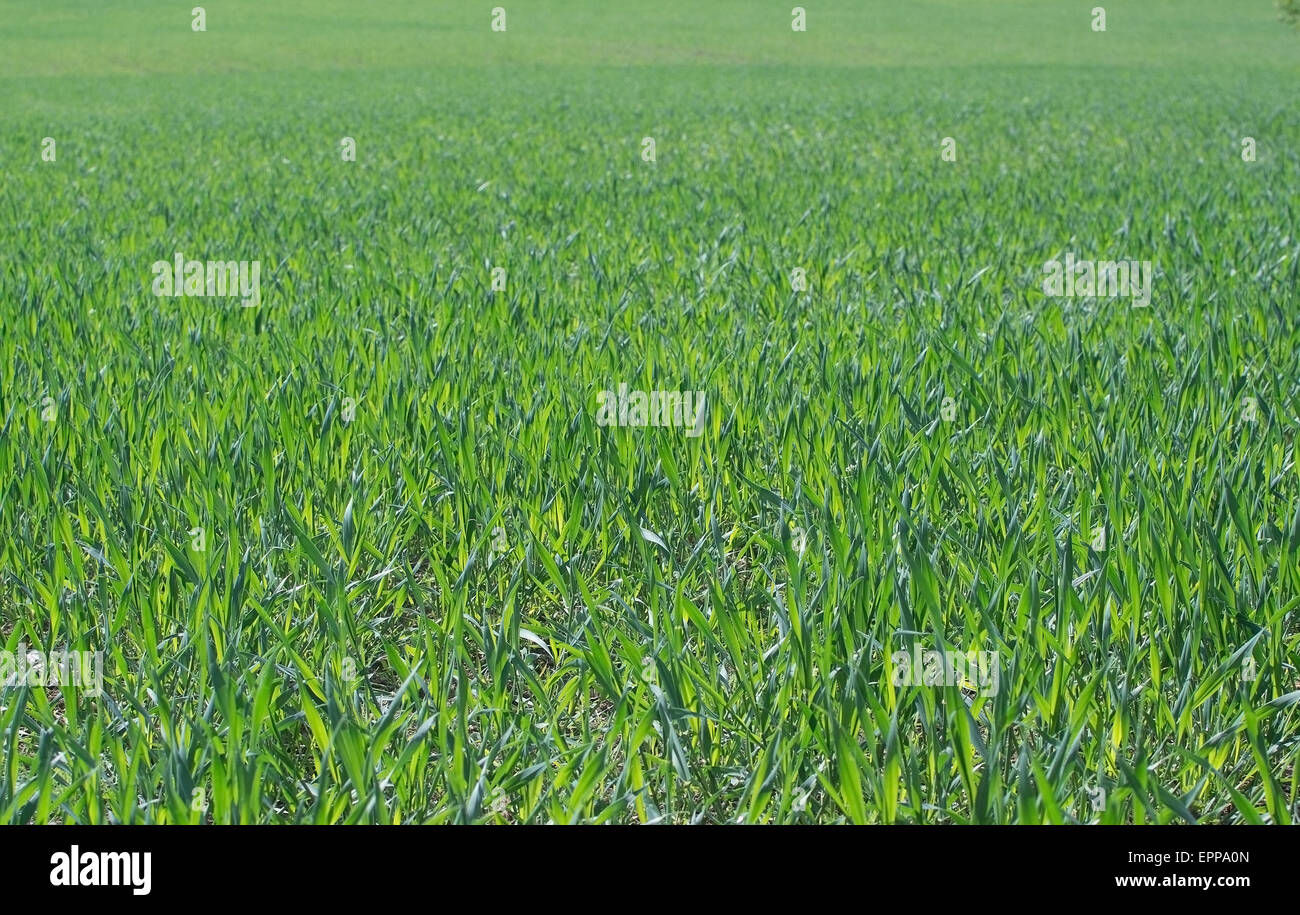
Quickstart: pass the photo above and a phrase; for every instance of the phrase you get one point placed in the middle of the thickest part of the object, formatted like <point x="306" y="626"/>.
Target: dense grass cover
<point x="364" y="553"/>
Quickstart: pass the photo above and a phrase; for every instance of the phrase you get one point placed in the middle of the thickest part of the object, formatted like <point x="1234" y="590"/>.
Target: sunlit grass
<point x="433" y="589"/>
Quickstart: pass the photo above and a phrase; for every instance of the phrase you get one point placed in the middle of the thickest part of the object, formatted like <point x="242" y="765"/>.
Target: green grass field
<point x="364" y="553"/>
